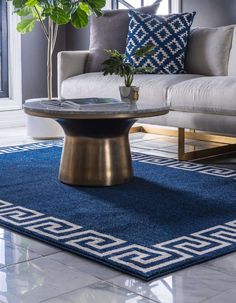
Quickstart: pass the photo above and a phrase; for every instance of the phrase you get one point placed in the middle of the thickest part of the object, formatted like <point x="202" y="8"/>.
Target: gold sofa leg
<point x="214" y="152"/>
<point x="181" y="143"/>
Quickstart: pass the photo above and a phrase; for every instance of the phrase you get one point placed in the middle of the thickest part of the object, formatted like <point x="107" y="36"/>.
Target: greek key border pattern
<point x="186" y="166"/>
<point x="29" y="147"/>
<point x="144" y="260"/>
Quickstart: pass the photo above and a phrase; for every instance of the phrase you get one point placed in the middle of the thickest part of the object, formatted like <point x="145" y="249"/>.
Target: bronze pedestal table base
<point x="96" y="149"/>
<point x="96" y="152"/>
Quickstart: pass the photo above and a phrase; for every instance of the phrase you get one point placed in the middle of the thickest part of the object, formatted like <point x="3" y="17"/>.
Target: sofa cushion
<point x="153" y="88"/>
<point x="110" y="32"/>
<point x="168" y="34"/>
<point x="208" y="51"/>
<point x="232" y="57"/>
<point x="214" y="95"/>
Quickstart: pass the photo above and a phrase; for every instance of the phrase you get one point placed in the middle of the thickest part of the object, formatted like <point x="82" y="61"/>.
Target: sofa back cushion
<point x="232" y="56"/>
<point x="208" y="51"/>
<point x="110" y="32"/>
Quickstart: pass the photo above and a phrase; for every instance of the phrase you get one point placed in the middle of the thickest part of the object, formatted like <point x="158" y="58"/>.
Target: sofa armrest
<point x="69" y="64"/>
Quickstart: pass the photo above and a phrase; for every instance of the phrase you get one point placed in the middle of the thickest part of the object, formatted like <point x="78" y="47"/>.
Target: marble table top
<point x="91" y="108"/>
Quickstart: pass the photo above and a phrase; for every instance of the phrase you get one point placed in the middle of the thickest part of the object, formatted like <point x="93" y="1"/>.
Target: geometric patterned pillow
<point x="169" y="34"/>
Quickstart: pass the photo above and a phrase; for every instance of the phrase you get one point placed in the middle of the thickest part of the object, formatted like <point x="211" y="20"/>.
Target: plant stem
<point x="128" y="79"/>
<point x="49" y="58"/>
<point x="41" y="22"/>
<point x="51" y="35"/>
<point x="131" y="79"/>
<point x="54" y="37"/>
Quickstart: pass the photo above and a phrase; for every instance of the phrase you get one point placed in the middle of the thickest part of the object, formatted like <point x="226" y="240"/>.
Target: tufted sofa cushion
<point x="212" y="95"/>
<point x="153" y="88"/>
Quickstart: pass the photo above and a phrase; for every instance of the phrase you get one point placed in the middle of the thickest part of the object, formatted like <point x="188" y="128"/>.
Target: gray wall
<point x="211" y="13"/>
<point x="34" y="62"/>
<point x="77" y="39"/>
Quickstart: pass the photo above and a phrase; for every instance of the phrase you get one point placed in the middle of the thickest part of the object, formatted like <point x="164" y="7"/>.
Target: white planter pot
<point x="129" y="94"/>
<point x="42" y="128"/>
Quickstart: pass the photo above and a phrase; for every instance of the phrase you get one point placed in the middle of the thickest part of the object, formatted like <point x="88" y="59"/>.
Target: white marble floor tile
<point x="37" y="280"/>
<point x="226" y="264"/>
<point x="226" y="297"/>
<point x="143" y="137"/>
<point x="160" y="138"/>
<point x="12" y="254"/>
<point x="27" y="243"/>
<point x="13" y="132"/>
<point x="14" y="136"/>
<point x="152" y="144"/>
<point x="137" y="137"/>
<point x="154" y="152"/>
<point x="189" y="147"/>
<point x="174" y="148"/>
<point x="100" y="293"/>
<point x="93" y="268"/>
<point x="171" y="139"/>
<point x="193" y="284"/>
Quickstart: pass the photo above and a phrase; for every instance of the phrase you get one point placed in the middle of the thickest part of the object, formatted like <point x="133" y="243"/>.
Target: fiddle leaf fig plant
<point x="50" y="14"/>
<point x="117" y="65"/>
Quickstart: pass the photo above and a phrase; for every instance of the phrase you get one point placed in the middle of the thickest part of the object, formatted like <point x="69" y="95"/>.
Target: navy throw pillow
<point x="169" y="34"/>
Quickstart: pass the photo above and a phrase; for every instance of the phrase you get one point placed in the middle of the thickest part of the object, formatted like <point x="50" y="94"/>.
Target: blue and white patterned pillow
<point x="169" y="34"/>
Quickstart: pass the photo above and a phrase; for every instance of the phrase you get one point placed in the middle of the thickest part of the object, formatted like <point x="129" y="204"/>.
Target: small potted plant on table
<point x="116" y="65"/>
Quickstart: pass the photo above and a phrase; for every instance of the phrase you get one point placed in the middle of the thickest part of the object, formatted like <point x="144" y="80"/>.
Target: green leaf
<point x="59" y="16"/>
<point x="26" y="25"/>
<point x="31" y="2"/>
<point x="60" y="11"/>
<point x="18" y="3"/>
<point x="79" y="18"/>
<point x="116" y="65"/>
<point x="25" y="11"/>
<point x="115" y="54"/>
<point x="145" y="50"/>
<point x="96" y="6"/>
<point x="85" y="7"/>
<point x="39" y="11"/>
<point x="144" y="70"/>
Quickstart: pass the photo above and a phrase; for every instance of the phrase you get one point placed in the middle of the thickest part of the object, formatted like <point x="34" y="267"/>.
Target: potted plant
<point x="51" y="14"/>
<point x="116" y="65"/>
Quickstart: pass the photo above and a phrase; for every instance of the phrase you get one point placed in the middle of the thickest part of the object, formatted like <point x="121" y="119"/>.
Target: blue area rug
<point x="173" y="215"/>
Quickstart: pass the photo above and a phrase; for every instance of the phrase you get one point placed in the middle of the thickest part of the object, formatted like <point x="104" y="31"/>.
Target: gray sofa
<point x="203" y="99"/>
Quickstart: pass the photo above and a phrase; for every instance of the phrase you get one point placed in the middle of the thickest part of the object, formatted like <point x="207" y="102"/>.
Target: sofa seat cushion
<point x="153" y="88"/>
<point x="214" y="95"/>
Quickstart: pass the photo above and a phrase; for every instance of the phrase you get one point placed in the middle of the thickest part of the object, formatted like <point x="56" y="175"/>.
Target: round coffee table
<point x="96" y="149"/>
